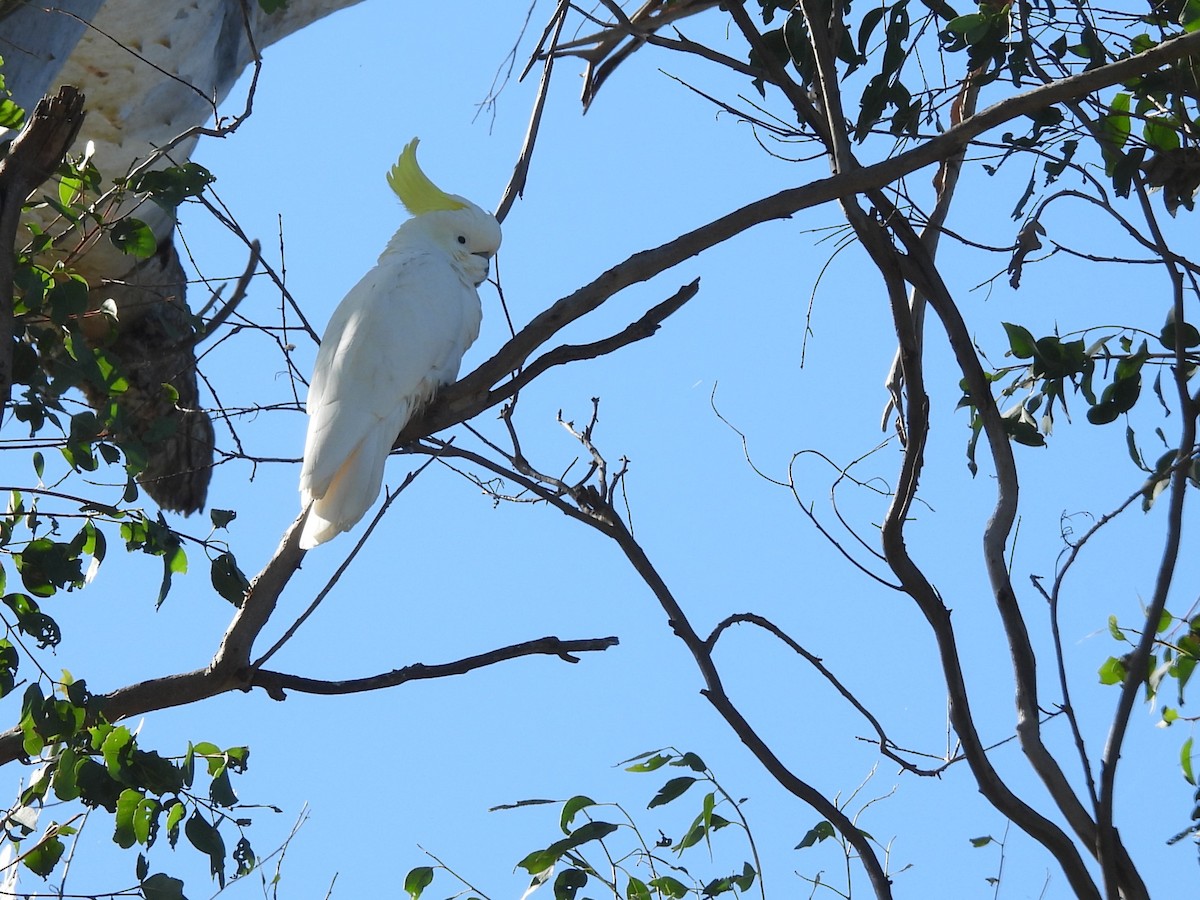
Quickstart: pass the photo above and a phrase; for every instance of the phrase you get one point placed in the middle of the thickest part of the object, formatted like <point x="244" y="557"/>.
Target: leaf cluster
<point x="62" y="348"/>
<point x="1174" y="660"/>
<point x="633" y="867"/>
<point x="1055" y="364"/>
<point x="102" y="766"/>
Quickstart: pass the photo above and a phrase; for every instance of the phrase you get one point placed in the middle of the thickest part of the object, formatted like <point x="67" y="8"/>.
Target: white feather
<point x="396" y="338"/>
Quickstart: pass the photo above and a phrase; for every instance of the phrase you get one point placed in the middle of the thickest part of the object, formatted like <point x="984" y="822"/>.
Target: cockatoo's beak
<point x="487" y="267"/>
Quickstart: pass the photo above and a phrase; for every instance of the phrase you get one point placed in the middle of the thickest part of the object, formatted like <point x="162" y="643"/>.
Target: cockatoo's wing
<point x="398" y="335"/>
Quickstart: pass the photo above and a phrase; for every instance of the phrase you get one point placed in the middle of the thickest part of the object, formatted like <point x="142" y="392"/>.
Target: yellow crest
<point x="418" y="194"/>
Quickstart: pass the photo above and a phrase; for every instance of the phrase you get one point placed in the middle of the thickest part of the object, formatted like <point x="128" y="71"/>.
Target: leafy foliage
<point x="87" y="762"/>
<point x="102" y="766"/>
<point x="632" y="866"/>
<point x="1173" y="661"/>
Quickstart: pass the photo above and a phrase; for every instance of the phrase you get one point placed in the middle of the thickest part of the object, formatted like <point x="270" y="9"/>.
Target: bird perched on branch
<point x="398" y="336"/>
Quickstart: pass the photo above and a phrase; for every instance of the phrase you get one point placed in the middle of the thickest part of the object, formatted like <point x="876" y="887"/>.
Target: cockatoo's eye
<point x="461" y="239"/>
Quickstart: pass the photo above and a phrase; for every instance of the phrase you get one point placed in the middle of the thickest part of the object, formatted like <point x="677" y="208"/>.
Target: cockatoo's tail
<point x="418" y="194"/>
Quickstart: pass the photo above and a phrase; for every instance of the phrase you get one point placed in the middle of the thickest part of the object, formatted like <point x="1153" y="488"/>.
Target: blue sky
<point x="448" y="574"/>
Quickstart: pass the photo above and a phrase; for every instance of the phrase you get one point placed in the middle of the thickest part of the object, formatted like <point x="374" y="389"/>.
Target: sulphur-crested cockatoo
<point x="398" y="335"/>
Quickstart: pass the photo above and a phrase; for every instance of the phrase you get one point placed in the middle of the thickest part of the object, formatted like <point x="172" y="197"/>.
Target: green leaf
<point x="155" y="773"/>
<point x="699" y="830"/>
<point x="133" y="237"/>
<point x="237" y="758"/>
<point x="176" y="561"/>
<point x="93" y="543"/>
<point x="746" y="880"/>
<point x="69" y="187"/>
<point x="1134" y="454"/>
<point x="568" y="882"/>
<point x="571" y="808"/>
<point x="64" y="783"/>
<point x="1185" y="761"/>
<point x="221" y="517"/>
<point x="96" y="786"/>
<point x="671" y="790"/>
<point x="656" y="761"/>
<point x="162" y="887"/>
<point x="692" y="761"/>
<point x="1021" y="343"/>
<point x="981" y="841"/>
<point x="1189" y="18"/>
<point x="538" y="861"/>
<point x="541" y="860"/>
<point x="221" y="791"/>
<point x="47" y="566"/>
<point x="1170" y="332"/>
<point x="669" y="887"/>
<point x="145" y="821"/>
<point x="205" y="838"/>
<point x="171" y="186"/>
<point x="592" y="831"/>
<point x="243" y="855"/>
<point x="117" y="749"/>
<point x="32" y="705"/>
<point x="228" y="580"/>
<point x="1112" y="671"/>
<point x="972" y="26"/>
<point x="124" y="835"/>
<point x="1161" y="133"/>
<point x="175" y="812"/>
<point x="42" y="859"/>
<point x="870" y="21"/>
<point x="32" y="621"/>
<point x="821" y="831"/>
<point x="417" y="880"/>
<point x="1103" y="413"/>
<point x="11" y="115"/>
<point x="636" y="889"/>
<point x="1116" y="632"/>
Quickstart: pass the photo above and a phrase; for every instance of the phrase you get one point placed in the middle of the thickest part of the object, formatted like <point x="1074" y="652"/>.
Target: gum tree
<point x="900" y="113"/>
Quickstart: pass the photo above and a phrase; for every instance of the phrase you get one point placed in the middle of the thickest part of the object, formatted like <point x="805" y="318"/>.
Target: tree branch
<point x="884" y="742"/>
<point x="31" y="159"/>
<point x="925" y="278"/>
<point x="277" y="683"/>
<point x="472" y="394"/>
<point x="1139" y="659"/>
<point x="608" y="522"/>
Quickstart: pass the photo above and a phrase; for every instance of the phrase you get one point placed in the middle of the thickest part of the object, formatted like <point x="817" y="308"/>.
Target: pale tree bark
<point x="34" y="53"/>
<point x="180" y="60"/>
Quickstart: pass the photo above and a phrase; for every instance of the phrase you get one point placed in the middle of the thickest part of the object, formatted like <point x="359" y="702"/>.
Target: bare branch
<point x="516" y="184"/>
<point x="276" y="684"/>
<point x="884" y="743"/>
<point x="239" y="293"/>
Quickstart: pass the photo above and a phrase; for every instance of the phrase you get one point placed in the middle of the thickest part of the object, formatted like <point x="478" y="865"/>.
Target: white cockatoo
<point x="398" y="336"/>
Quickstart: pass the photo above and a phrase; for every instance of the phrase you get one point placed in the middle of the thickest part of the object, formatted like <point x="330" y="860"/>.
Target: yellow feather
<point x="418" y="194"/>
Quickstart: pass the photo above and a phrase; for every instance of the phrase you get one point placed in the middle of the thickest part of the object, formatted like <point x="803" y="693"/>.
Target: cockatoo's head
<point x="467" y="233"/>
